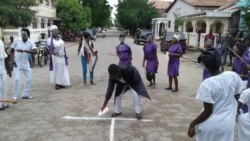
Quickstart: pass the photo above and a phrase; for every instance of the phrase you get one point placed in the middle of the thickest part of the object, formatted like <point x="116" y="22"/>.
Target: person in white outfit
<point x="3" y="75"/>
<point x="244" y="119"/>
<point x="58" y="60"/>
<point x="217" y="120"/>
<point x="21" y="49"/>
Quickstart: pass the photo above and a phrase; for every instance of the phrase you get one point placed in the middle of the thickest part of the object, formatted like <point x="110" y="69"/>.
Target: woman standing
<point x="150" y="55"/>
<point x="88" y="57"/>
<point x="58" y="60"/>
<point x="175" y="52"/>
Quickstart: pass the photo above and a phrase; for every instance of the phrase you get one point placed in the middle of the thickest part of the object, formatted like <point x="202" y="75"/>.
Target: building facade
<point x="43" y="19"/>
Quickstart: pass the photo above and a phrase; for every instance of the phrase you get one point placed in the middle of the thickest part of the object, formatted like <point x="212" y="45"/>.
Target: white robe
<point x="244" y="119"/>
<point x="59" y="74"/>
<point x="220" y="91"/>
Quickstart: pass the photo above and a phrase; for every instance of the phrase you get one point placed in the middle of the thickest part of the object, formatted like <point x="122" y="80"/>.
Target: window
<point x="42" y="23"/>
<point x="169" y="24"/>
<point x="34" y="24"/>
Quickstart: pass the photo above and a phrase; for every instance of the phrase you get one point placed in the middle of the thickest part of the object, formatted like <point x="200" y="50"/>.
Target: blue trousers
<point x="224" y="53"/>
<point x="84" y="70"/>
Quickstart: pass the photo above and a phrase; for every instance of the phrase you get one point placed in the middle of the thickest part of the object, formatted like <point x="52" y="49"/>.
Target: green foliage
<point x="246" y="16"/>
<point x="178" y="23"/>
<point x="100" y="12"/>
<point x="133" y="14"/>
<point x="73" y="16"/>
<point x="16" y="13"/>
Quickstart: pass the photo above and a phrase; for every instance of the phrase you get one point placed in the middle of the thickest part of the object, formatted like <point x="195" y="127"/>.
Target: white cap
<point x="53" y="27"/>
<point x="177" y="37"/>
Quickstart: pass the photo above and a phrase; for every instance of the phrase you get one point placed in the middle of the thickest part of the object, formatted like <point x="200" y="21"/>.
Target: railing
<point x="16" y="33"/>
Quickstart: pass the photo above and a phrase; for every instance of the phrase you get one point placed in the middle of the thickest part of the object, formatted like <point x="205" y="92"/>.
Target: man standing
<point x="125" y="77"/>
<point x="217" y="120"/>
<point x="21" y="50"/>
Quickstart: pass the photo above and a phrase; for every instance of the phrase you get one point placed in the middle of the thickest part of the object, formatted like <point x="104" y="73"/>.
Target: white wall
<point x="181" y="8"/>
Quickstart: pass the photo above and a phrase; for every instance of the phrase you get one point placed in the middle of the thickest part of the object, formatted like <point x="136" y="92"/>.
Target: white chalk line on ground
<point x="101" y="118"/>
<point x="112" y="129"/>
<point x="112" y="126"/>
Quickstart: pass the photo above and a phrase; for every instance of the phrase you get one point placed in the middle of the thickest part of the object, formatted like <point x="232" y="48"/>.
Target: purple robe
<point x="124" y="51"/>
<point x="247" y="60"/>
<point x="149" y="51"/>
<point x="174" y="62"/>
<point x="238" y="66"/>
<point x="206" y="74"/>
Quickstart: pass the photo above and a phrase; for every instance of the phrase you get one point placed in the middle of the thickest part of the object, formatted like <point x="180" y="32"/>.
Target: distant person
<point x="85" y="50"/>
<point x="218" y="41"/>
<point x="58" y="60"/>
<point x="122" y="78"/>
<point x="225" y="44"/>
<point x="209" y="36"/>
<point x="174" y="53"/>
<point x="210" y="47"/>
<point x="123" y="51"/>
<point x="21" y="51"/>
<point x="3" y="75"/>
<point x="151" y="58"/>
<point x="217" y="120"/>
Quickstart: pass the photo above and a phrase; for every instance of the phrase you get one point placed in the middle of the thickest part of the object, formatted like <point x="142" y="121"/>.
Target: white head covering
<point x="2" y="51"/>
<point x="177" y="37"/>
<point x="53" y="27"/>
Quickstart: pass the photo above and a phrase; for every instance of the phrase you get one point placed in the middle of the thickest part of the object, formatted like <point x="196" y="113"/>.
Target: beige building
<point x="159" y="24"/>
<point x="196" y="26"/>
<point x="45" y="14"/>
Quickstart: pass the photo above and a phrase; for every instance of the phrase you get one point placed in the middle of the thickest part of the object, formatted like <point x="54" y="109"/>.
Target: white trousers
<point x="136" y="101"/>
<point x="3" y="86"/>
<point x="28" y="78"/>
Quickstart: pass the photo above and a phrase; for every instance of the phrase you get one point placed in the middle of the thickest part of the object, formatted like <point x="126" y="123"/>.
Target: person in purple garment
<point x="175" y="52"/>
<point x="209" y="46"/>
<point x="246" y="58"/>
<point x="150" y="55"/>
<point x="123" y="51"/>
<point x="238" y="65"/>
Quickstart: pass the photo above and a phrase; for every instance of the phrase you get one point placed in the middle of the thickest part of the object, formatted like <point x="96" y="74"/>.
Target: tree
<point x="73" y="16"/>
<point x="16" y="13"/>
<point x="246" y="16"/>
<point x="100" y="12"/>
<point x="133" y="14"/>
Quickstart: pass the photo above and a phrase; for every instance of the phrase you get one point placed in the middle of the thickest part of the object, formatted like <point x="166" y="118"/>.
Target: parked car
<point x="167" y="39"/>
<point x="141" y="36"/>
<point x="90" y="31"/>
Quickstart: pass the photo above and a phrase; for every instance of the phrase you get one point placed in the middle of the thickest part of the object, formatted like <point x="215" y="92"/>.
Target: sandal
<point x="151" y="84"/>
<point x="27" y="97"/>
<point x="169" y="88"/>
<point x="115" y="114"/>
<point x="175" y="90"/>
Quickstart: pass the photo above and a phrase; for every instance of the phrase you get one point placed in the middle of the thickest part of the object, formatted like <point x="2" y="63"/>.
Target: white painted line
<point x="100" y="118"/>
<point x="112" y="128"/>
